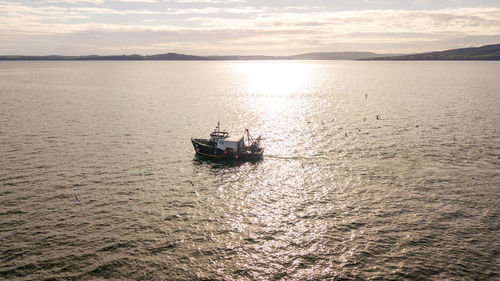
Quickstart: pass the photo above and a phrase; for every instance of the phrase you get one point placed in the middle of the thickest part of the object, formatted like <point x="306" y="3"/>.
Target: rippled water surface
<point x="98" y="178"/>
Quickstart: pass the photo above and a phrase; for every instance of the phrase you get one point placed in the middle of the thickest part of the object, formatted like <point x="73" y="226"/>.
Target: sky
<point x="244" y="27"/>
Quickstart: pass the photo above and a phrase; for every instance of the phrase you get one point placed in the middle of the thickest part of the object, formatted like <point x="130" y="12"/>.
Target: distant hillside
<point x="169" y="56"/>
<point x="308" y="56"/>
<point x="488" y="52"/>
<point x="174" y="56"/>
<point x="243" y="57"/>
<point x="337" y="56"/>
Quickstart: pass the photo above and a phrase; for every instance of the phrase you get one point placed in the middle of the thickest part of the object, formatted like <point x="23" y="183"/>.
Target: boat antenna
<point x="248" y="135"/>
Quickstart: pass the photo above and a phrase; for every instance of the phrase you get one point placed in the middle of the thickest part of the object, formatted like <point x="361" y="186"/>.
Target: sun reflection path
<point x="274" y="86"/>
<point x="276" y="98"/>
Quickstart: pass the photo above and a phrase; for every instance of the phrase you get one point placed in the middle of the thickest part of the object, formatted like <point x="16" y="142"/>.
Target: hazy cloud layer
<point x="204" y="27"/>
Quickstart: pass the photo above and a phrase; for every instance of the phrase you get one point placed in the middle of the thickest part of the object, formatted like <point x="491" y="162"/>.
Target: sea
<point x="372" y="170"/>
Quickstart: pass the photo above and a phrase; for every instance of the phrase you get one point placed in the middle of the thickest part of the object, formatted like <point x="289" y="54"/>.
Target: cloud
<point x="211" y="1"/>
<point x="240" y="28"/>
<point x="421" y="2"/>
<point x="98" y="2"/>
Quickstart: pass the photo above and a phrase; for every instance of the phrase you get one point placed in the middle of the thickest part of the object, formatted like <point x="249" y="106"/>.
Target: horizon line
<point x="259" y="55"/>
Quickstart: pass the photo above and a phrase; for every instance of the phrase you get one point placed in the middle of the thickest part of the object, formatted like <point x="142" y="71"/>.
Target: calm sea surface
<point x="98" y="178"/>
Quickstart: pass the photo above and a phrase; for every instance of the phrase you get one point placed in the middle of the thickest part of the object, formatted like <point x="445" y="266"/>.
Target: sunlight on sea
<point x="371" y="170"/>
<point x="277" y="86"/>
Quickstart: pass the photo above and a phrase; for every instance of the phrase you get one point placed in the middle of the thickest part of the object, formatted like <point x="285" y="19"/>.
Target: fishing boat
<point x="222" y="146"/>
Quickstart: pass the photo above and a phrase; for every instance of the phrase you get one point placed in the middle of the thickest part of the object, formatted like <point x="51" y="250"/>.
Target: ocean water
<point x="98" y="178"/>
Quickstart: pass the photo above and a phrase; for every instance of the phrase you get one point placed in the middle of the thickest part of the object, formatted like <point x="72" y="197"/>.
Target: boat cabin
<point x="234" y="144"/>
<point x="217" y="135"/>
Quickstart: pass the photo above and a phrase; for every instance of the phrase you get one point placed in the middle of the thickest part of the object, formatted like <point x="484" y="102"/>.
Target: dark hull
<point x="206" y="149"/>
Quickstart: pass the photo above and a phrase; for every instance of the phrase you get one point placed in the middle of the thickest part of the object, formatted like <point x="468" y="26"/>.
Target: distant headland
<point x="487" y="52"/>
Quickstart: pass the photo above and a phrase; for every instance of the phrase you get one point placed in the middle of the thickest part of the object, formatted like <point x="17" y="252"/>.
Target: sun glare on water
<point x="275" y="85"/>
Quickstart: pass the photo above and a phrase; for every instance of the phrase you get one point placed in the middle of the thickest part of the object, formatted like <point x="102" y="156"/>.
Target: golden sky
<point x="243" y="27"/>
